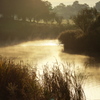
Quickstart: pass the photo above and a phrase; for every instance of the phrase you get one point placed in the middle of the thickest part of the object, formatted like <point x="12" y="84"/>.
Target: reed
<point x="21" y="82"/>
<point x="62" y="84"/>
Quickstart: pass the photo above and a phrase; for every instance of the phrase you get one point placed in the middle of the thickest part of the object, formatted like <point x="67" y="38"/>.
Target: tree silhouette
<point x="24" y="9"/>
<point x="85" y="18"/>
<point x="70" y="10"/>
<point x="7" y="8"/>
<point x="97" y="6"/>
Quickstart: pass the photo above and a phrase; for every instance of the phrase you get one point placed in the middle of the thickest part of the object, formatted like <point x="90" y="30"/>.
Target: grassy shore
<point x="14" y="31"/>
<point x="21" y="82"/>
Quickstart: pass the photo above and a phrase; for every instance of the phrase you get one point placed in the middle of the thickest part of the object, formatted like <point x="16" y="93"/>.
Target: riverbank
<point x="14" y="31"/>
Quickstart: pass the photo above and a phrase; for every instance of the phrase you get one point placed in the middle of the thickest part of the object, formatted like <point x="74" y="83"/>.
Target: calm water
<point x="50" y="51"/>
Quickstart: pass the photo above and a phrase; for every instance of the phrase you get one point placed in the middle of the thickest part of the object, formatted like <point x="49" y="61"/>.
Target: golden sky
<point x="91" y="3"/>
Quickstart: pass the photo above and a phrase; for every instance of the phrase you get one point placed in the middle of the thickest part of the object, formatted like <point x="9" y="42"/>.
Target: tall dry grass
<point x="62" y="84"/>
<point x="20" y="82"/>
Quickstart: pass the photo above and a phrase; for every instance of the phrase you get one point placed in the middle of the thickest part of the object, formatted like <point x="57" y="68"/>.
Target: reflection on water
<point x="50" y="51"/>
<point x="37" y="51"/>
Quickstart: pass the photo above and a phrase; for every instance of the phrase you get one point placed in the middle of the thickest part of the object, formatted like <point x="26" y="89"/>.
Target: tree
<point x="30" y="9"/>
<point x="85" y="18"/>
<point x="7" y="8"/>
<point x="97" y="6"/>
<point x="67" y="11"/>
<point x="95" y="26"/>
<point x="25" y="9"/>
<point x="60" y="9"/>
<point x="59" y="19"/>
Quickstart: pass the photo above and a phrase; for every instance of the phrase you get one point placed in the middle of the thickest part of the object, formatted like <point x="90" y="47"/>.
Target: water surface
<point x="50" y="51"/>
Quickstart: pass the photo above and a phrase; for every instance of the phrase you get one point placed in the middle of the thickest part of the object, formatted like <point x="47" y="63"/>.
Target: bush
<point x="70" y="39"/>
<point x="75" y="41"/>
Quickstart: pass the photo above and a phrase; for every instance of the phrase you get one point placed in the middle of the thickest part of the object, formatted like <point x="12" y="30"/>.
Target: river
<point x="39" y="53"/>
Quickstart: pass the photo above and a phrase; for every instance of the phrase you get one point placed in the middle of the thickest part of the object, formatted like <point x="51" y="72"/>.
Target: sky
<point x="91" y="3"/>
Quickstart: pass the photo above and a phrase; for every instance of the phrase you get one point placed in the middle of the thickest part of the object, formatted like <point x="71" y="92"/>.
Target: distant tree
<point x="25" y="9"/>
<point x="7" y="8"/>
<point x="95" y="27"/>
<point x="75" y="2"/>
<point x="48" y="5"/>
<point x="46" y="11"/>
<point x="67" y="11"/>
<point x="60" y="9"/>
<point x="85" y="18"/>
<point x="59" y="19"/>
<point x="52" y="17"/>
<point x="78" y="7"/>
<point x="97" y="6"/>
<point x="30" y="9"/>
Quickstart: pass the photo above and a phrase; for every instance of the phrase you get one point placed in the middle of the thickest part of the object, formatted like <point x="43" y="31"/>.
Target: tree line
<point x="72" y="10"/>
<point x="25" y="9"/>
<point x="36" y="10"/>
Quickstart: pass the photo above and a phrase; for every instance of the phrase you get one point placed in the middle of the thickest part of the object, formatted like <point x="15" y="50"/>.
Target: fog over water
<point x="50" y="51"/>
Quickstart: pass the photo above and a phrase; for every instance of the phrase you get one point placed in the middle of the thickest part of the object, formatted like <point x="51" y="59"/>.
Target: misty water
<point x="39" y="53"/>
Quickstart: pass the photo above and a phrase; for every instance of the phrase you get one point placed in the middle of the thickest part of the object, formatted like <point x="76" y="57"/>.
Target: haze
<point x="69" y="2"/>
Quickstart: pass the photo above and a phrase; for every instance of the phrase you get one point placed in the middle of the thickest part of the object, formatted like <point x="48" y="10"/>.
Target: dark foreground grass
<point x="20" y="82"/>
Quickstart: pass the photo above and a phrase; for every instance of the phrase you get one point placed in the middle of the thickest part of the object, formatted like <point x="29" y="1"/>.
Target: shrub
<point x="75" y="41"/>
<point x="70" y="39"/>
